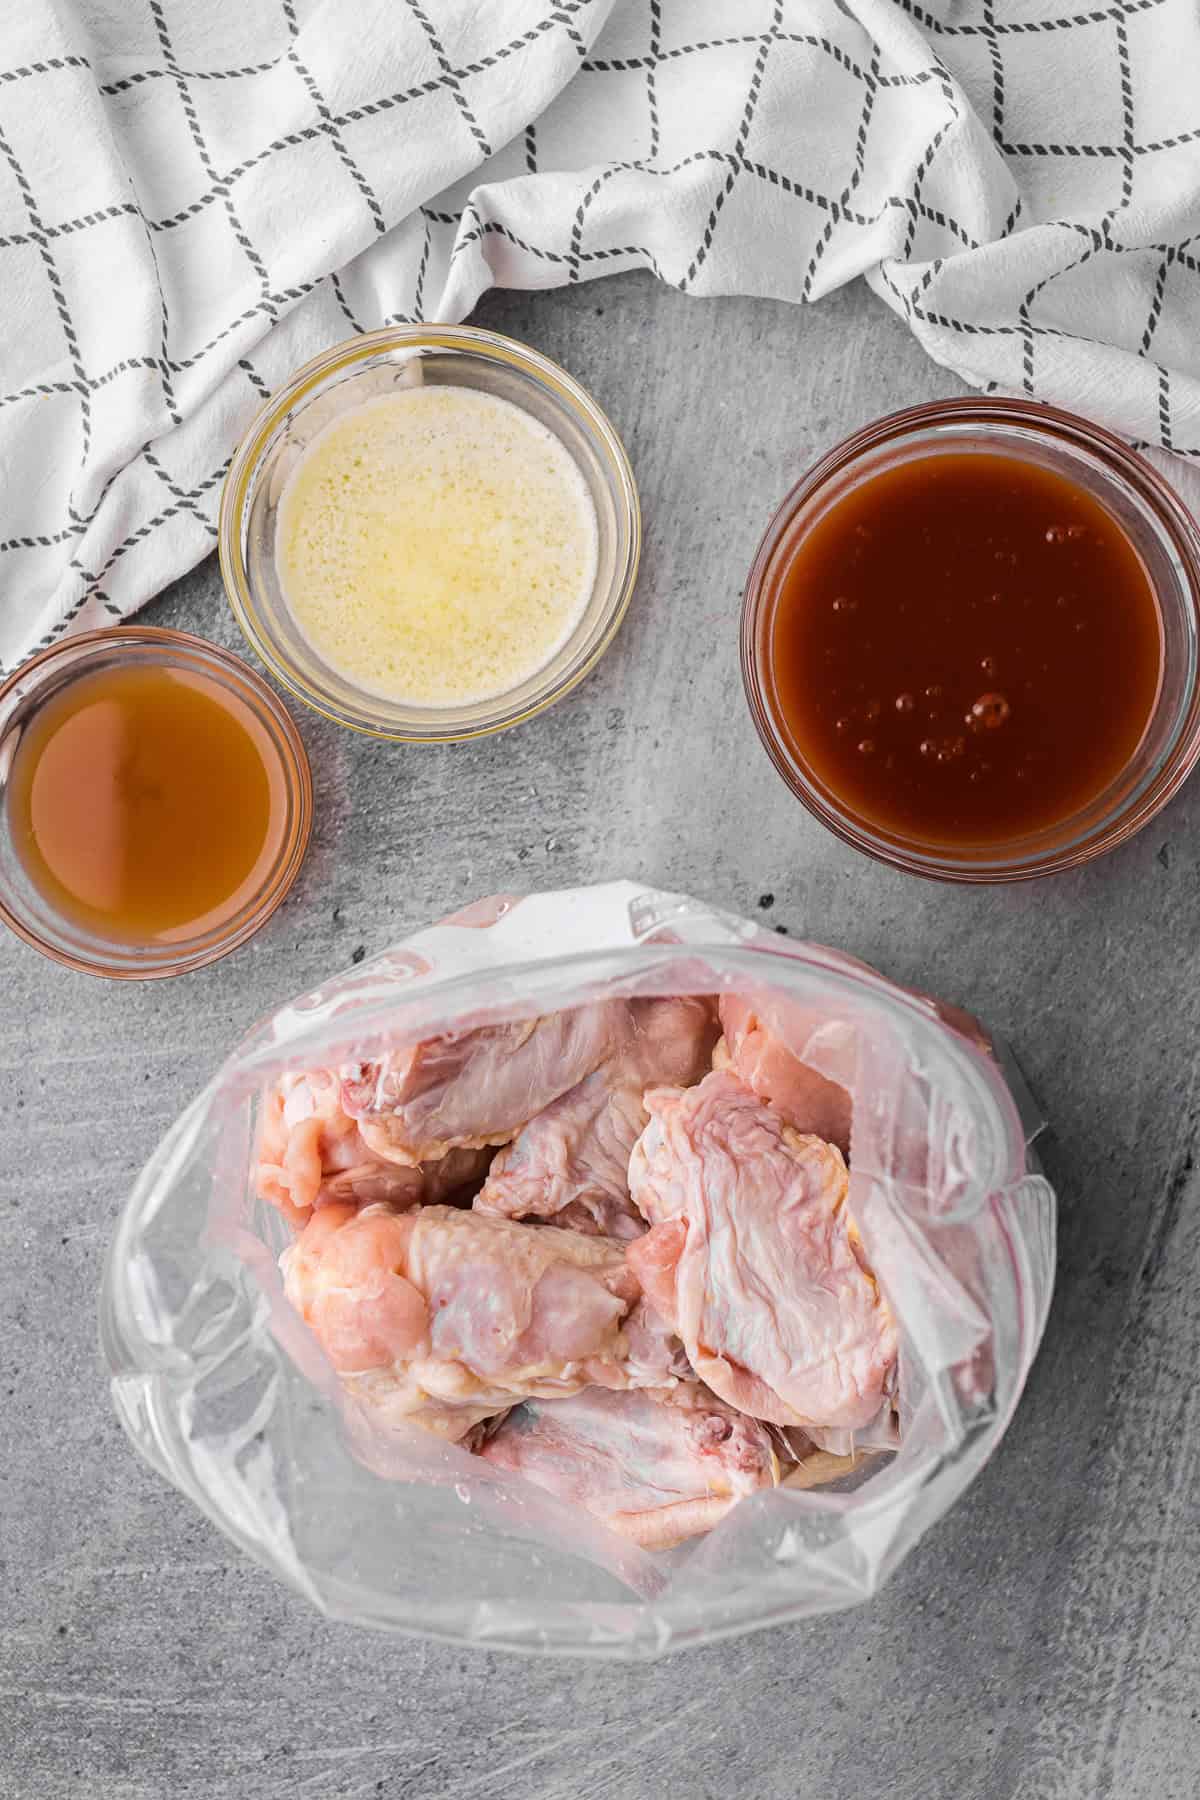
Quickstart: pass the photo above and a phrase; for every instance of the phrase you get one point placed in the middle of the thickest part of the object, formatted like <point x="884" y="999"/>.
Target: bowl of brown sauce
<point x="970" y="640"/>
<point x="155" y="802"/>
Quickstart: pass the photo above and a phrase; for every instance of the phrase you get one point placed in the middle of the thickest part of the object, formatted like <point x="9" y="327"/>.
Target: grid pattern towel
<point x="198" y="195"/>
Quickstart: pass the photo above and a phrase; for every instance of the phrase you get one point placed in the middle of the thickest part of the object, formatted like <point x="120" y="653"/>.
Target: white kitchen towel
<point x="198" y="195"/>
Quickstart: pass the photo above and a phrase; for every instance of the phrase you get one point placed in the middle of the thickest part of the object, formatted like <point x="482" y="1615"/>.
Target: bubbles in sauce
<point x="964" y="648"/>
<point x="989" y="712"/>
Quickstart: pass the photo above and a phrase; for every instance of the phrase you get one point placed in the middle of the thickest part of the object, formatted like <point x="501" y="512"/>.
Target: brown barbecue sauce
<point x="965" y="648"/>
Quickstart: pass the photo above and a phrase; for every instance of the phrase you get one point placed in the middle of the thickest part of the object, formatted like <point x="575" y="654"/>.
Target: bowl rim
<point x="293" y="759"/>
<point x="238" y="488"/>
<point x="1001" y="415"/>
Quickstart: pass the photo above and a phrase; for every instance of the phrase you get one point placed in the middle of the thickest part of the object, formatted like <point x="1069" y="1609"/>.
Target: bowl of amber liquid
<point x="970" y="640"/>
<point x="155" y="802"/>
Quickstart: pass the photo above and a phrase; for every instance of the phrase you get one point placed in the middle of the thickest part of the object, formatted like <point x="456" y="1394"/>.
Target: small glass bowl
<point x="1161" y="530"/>
<point x="23" y="906"/>
<point x="377" y="363"/>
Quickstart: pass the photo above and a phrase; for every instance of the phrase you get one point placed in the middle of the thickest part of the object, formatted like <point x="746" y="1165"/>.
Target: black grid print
<point x="1000" y="175"/>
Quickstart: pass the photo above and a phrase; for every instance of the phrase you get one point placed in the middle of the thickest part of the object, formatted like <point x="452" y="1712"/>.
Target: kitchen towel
<point x="198" y="195"/>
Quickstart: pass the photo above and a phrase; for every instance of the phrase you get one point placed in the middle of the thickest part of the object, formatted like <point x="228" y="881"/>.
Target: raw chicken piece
<point x="807" y="1099"/>
<point x="473" y="1088"/>
<point x="879" y="1434"/>
<point x="820" y="1467"/>
<point x="396" y="1184"/>
<point x="571" y="1161"/>
<point x="312" y="1153"/>
<point x="754" y="1261"/>
<point x="439" y="1317"/>
<point x="657" y="1467"/>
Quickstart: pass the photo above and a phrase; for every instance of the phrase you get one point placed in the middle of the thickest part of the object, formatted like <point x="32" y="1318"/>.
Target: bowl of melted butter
<point x="431" y="533"/>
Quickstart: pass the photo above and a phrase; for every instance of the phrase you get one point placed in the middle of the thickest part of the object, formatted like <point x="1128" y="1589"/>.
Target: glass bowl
<point x="1156" y="523"/>
<point x="32" y="915"/>
<point x="343" y="378"/>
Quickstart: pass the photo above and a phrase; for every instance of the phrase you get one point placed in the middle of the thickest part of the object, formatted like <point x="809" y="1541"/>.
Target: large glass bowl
<point x="363" y="369"/>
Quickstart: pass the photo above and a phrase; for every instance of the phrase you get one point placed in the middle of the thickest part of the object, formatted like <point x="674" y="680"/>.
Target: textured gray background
<point x="1045" y="1639"/>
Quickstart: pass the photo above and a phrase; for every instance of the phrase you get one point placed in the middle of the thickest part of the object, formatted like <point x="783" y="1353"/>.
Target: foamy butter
<point x="437" y="545"/>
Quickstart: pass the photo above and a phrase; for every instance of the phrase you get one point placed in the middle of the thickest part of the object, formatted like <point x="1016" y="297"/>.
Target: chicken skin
<point x="807" y="1100"/>
<point x="440" y="1318"/>
<point x="570" y="1163"/>
<point x="469" y="1089"/>
<point x="753" y="1260"/>
<point x="657" y="1467"/>
<point x="312" y="1153"/>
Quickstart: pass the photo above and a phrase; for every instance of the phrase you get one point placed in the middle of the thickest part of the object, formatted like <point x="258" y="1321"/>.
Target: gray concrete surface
<point x="1044" y="1641"/>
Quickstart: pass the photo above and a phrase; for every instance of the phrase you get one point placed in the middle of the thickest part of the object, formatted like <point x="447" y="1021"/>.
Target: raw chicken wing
<point x="571" y="1161"/>
<point x="657" y="1467"/>
<point x="311" y="1153"/>
<point x="474" y="1088"/>
<point x="752" y="1258"/>
<point x="807" y="1100"/>
<point x="440" y="1318"/>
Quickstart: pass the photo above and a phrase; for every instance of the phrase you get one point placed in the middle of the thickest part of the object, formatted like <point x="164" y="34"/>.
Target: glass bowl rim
<point x="294" y="763"/>
<point x="1002" y="417"/>
<point x="301" y="386"/>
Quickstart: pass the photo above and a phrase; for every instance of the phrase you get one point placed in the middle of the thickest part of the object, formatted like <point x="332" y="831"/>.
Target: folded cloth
<point x="198" y="195"/>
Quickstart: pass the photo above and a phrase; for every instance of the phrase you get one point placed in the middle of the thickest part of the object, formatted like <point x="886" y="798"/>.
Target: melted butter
<point x="437" y="545"/>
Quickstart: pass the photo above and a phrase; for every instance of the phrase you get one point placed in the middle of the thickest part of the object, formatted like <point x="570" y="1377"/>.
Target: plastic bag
<point x="223" y="1389"/>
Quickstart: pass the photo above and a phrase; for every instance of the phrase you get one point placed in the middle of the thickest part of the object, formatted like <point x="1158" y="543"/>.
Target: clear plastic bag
<point x="223" y="1389"/>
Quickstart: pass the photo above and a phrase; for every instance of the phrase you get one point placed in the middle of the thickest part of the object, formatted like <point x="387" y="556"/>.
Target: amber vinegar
<point x="145" y="804"/>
